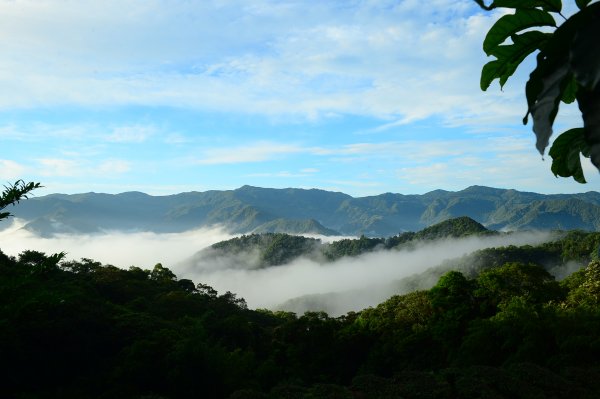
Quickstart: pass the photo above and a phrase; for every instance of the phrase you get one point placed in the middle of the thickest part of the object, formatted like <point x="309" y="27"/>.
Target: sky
<point x="363" y="97"/>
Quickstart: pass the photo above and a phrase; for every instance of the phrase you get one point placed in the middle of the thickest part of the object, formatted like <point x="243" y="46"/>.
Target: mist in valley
<point x="307" y="283"/>
<point x="348" y="284"/>
<point x="142" y="249"/>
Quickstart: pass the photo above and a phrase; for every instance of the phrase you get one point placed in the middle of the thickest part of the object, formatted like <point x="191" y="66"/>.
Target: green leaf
<point x="565" y="154"/>
<point x="585" y="48"/>
<point x="512" y="24"/>
<point x="570" y="91"/>
<point x="582" y="3"/>
<point x="589" y="105"/>
<point x="548" y="5"/>
<point x="489" y="72"/>
<point x="554" y="56"/>
<point x="510" y="57"/>
<point x="545" y="108"/>
<point x="14" y="193"/>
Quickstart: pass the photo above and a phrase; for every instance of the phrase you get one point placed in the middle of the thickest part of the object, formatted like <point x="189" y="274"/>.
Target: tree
<point x="497" y="286"/>
<point x="13" y="193"/>
<point x="161" y="273"/>
<point x="585" y="286"/>
<point x="568" y="70"/>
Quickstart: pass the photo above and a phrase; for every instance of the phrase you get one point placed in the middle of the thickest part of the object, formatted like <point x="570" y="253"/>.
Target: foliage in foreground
<point x="80" y="329"/>
<point x="567" y="70"/>
<point x="14" y="193"/>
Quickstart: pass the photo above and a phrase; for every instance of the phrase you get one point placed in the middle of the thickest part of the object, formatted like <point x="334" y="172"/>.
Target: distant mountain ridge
<point x="300" y="211"/>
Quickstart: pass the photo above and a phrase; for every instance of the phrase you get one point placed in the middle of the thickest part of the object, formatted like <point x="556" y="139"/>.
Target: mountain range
<point x="306" y="211"/>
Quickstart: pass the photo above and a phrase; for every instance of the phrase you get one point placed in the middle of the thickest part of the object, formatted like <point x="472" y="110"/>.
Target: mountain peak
<point x="456" y="227"/>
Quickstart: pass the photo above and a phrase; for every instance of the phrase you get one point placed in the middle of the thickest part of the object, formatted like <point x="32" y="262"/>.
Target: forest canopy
<point x="508" y="330"/>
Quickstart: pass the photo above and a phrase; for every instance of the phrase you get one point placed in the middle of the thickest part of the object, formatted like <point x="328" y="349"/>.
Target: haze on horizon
<point x="165" y="97"/>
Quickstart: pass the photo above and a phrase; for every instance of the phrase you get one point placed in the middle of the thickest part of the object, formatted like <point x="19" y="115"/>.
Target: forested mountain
<point x="256" y="251"/>
<point x="252" y="209"/>
<point x="561" y="256"/>
<point x="80" y="329"/>
<point x="559" y="253"/>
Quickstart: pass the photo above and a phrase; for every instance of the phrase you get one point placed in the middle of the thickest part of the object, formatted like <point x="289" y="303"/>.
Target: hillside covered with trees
<point x="273" y="249"/>
<point x="250" y="209"/>
<point x="80" y="329"/>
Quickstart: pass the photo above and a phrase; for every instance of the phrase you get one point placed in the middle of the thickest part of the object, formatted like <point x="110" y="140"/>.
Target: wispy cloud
<point x="355" y="183"/>
<point x="10" y="170"/>
<point x="176" y="138"/>
<point x="253" y="90"/>
<point x="283" y="174"/>
<point x="131" y="134"/>
<point x="256" y="152"/>
<point x="114" y="166"/>
<point x="69" y="167"/>
<point x="59" y="167"/>
<point x="401" y="61"/>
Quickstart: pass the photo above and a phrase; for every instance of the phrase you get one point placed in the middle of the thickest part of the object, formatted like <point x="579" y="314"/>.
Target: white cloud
<point x="256" y="152"/>
<point x="506" y="163"/>
<point x="36" y="131"/>
<point x="261" y="288"/>
<point x="355" y="183"/>
<point x="139" y="61"/>
<point x="76" y="167"/>
<point x="131" y="134"/>
<point x="10" y="170"/>
<point x="370" y="274"/>
<point x="142" y="249"/>
<point x="176" y="138"/>
<point x="59" y="167"/>
<point x="286" y="174"/>
<point x="400" y="61"/>
<point x="114" y="166"/>
<point x="283" y="174"/>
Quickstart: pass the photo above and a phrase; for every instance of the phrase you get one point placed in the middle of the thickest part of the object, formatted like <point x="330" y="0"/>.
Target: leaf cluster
<point x="567" y="70"/>
<point x="13" y="193"/>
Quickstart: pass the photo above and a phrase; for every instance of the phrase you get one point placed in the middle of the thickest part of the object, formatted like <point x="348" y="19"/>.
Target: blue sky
<point x="160" y="96"/>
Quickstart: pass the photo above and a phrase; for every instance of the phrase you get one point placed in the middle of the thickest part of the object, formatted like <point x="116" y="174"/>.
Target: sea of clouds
<point x="362" y="281"/>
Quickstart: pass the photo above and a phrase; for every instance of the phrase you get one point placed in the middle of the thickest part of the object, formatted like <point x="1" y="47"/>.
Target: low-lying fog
<point x="367" y="275"/>
<point x="116" y="248"/>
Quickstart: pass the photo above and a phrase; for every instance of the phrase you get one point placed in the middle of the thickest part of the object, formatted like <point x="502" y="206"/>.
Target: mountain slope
<point x="256" y="251"/>
<point x="253" y="209"/>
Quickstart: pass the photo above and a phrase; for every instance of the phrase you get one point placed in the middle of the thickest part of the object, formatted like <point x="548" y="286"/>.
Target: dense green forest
<point x="504" y="329"/>
<point x="273" y="249"/>
<point x="561" y="256"/>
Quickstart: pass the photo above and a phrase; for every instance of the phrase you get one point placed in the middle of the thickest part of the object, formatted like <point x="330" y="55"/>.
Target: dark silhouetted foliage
<point x="87" y="330"/>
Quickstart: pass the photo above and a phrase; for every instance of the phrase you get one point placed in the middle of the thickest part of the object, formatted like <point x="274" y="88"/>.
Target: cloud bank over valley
<point x="369" y="275"/>
<point x="363" y="281"/>
<point x="142" y="249"/>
